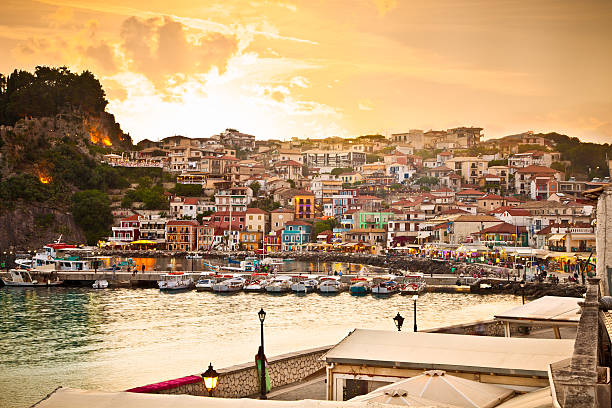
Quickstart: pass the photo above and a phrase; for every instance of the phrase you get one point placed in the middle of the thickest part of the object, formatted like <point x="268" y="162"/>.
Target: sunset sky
<point x="278" y="69"/>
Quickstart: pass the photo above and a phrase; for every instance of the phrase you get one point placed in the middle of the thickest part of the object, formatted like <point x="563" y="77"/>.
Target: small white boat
<point x="306" y="284"/>
<point x="414" y="284"/>
<point x="30" y="278"/>
<point x="193" y="256"/>
<point x="230" y="285"/>
<point x="175" y="281"/>
<point x="204" y="284"/>
<point x="385" y="288"/>
<point x="257" y="282"/>
<point x="100" y="284"/>
<point x="279" y="284"/>
<point x="331" y="284"/>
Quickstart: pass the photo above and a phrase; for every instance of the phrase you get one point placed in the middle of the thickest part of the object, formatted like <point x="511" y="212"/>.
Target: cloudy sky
<point x="278" y="69"/>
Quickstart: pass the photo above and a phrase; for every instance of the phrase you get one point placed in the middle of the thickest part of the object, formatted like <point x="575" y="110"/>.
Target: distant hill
<point x="582" y="155"/>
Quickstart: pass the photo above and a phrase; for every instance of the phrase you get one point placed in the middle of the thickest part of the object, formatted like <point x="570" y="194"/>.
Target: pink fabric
<point x="166" y="385"/>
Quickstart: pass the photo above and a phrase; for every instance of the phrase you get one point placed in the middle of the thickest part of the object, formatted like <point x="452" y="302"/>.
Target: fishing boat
<point x="360" y="286"/>
<point x="100" y="284"/>
<point x="414" y="284"/>
<point x="388" y="287"/>
<point x="175" y="281"/>
<point x="257" y="282"/>
<point x="30" y="278"/>
<point x="305" y="284"/>
<point x="234" y="284"/>
<point x="331" y="284"/>
<point x="279" y="284"/>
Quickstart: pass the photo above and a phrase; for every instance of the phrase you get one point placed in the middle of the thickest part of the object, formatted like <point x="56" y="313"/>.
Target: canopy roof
<point x="554" y="310"/>
<point x="499" y="355"/>
<point x="75" y="398"/>
<point x="436" y="385"/>
<point x="399" y="397"/>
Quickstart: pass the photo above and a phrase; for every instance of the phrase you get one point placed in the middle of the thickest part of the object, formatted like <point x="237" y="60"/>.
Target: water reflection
<point x="120" y="338"/>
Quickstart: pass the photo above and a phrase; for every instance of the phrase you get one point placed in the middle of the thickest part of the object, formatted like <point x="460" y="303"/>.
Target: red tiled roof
<point x="470" y="191"/>
<point x="298" y="222"/>
<point x="537" y="170"/>
<point x="504" y="227"/>
<point x="255" y="210"/>
<point x="191" y="200"/>
<point x="288" y="163"/>
<point x="182" y="222"/>
<point x="131" y="218"/>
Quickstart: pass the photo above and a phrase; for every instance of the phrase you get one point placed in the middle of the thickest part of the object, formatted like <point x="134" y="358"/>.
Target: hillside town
<point x="447" y="193"/>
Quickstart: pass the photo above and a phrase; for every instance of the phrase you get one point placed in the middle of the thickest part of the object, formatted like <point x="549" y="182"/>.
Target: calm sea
<point x="121" y="338"/>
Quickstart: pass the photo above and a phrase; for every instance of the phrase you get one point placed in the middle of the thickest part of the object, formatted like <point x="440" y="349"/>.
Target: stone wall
<point x="241" y="380"/>
<point x="492" y="328"/>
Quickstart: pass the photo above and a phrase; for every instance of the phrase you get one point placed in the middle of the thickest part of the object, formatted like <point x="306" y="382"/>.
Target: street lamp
<point x="210" y="378"/>
<point x="399" y="321"/>
<point x="523" y="290"/>
<point x="262" y="358"/>
<point x="414" y="299"/>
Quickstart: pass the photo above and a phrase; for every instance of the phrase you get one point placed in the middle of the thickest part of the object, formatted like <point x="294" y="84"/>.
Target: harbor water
<point x="121" y="338"/>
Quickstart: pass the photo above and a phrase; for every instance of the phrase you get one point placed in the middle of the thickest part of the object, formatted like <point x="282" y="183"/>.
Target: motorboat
<point x="204" y="284"/>
<point x="30" y="278"/>
<point x="100" y="284"/>
<point x="331" y="284"/>
<point x="305" y="284"/>
<point x="414" y="284"/>
<point x="360" y="286"/>
<point x="194" y="255"/>
<point x="175" y="281"/>
<point x="257" y="282"/>
<point x="234" y="284"/>
<point x="279" y="284"/>
<point x="388" y="287"/>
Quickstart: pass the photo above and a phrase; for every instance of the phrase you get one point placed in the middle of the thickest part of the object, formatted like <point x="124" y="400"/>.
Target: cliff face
<point x="29" y="227"/>
<point x="37" y="147"/>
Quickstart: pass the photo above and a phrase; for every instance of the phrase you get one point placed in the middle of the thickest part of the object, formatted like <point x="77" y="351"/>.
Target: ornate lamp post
<point x="399" y="321"/>
<point x="262" y="358"/>
<point x="523" y="291"/>
<point x="415" y="298"/>
<point x="210" y="378"/>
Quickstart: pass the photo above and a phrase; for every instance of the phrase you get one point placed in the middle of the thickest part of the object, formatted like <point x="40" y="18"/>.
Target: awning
<point x="423" y="234"/>
<point x="556" y="237"/>
<point x="143" y="241"/>
<point x="582" y="237"/>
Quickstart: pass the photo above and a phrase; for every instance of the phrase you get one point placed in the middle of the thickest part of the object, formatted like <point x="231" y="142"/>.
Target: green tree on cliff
<point x="92" y="212"/>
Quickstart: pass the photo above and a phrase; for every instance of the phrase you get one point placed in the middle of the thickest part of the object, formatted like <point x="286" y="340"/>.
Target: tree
<point x="522" y="148"/>
<point x="323" y="225"/>
<point x="187" y="190"/>
<point x="427" y="181"/>
<point x="255" y="186"/>
<point x="558" y="166"/>
<point x="372" y="158"/>
<point x="92" y="212"/>
<point x="291" y="183"/>
<point x="341" y="170"/>
<point x="501" y="162"/>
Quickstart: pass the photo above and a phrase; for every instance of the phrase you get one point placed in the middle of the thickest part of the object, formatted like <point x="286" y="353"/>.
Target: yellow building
<point x="304" y="204"/>
<point x="251" y="240"/>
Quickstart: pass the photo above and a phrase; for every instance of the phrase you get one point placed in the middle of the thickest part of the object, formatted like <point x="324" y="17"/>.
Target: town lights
<point x="210" y="378"/>
<point x="399" y="321"/>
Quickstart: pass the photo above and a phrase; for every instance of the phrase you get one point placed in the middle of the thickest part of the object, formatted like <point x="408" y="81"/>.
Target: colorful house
<point x="304" y="205"/>
<point x="296" y="235"/>
<point x="181" y="235"/>
<point x="128" y="229"/>
<point x="503" y="234"/>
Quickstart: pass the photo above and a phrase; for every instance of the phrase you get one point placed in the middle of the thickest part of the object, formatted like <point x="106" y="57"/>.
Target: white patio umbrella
<point x="437" y="386"/>
<point x="399" y="397"/>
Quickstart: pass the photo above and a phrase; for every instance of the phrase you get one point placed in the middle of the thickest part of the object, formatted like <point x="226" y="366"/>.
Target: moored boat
<point x="100" y="284"/>
<point x="359" y="286"/>
<point x="305" y="284"/>
<point x="414" y="284"/>
<point x="30" y="278"/>
<point x="175" y="281"/>
<point x="331" y="284"/>
<point x="279" y="284"/>
<point x="234" y="284"/>
<point x="257" y="282"/>
<point x="385" y="288"/>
